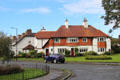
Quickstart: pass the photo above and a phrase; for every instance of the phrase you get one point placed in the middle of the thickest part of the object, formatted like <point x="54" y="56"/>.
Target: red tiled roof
<point x="78" y="31"/>
<point x="29" y="47"/>
<point x="44" y="34"/>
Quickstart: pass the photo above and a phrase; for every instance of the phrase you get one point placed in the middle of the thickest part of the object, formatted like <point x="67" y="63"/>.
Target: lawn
<point x="115" y="58"/>
<point x="31" y="59"/>
<point x="29" y="73"/>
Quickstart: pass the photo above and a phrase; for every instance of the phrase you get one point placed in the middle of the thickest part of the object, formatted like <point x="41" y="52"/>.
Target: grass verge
<point x="115" y="58"/>
<point x="29" y="73"/>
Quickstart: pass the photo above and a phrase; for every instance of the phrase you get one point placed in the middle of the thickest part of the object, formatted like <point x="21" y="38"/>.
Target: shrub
<point x="79" y="54"/>
<point x="28" y="55"/>
<point x="10" y="69"/>
<point x="32" y="52"/>
<point x="76" y="52"/>
<point x="41" y="54"/>
<point x="98" y="58"/>
<point x="107" y="53"/>
<point x="21" y="54"/>
<point x="67" y="52"/>
<point x="116" y="49"/>
<point x="90" y="53"/>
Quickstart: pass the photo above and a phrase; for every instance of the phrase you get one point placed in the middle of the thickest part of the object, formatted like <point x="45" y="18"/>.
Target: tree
<point x="5" y="47"/>
<point x="112" y="12"/>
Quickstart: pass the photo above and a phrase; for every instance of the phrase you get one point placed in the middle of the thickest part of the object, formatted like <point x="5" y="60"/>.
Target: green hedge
<point x="98" y="58"/>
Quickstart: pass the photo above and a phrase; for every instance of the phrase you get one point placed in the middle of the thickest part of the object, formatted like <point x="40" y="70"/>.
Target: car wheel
<point x="45" y="61"/>
<point x="55" y="61"/>
<point x="63" y="62"/>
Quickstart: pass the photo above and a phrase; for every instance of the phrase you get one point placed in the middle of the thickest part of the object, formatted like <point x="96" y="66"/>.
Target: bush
<point x="32" y="52"/>
<point x="107" y="53"/>
<point x="76" y="52"/>
<point x="79" y="54"/>
<point x="10" y="69"/>
<point x="98" y="58"/>
<point x="21" y="54"/>
<point x="90" y="53"/>
<point x="67" y="52"/>
<point x="116" y="49"/>
<point x="39" y="55"/>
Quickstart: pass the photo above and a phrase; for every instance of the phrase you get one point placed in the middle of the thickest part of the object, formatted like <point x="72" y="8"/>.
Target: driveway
<point x="88" y="71"/>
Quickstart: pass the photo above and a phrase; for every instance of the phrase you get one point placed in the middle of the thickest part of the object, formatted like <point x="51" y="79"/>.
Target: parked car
<point x="54" y="58"/>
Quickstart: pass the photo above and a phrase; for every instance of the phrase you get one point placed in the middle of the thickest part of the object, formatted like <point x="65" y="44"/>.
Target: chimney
<point x="28" y="32"/>
<point x="66" y="23"/>
<point x="43" y="29"/>
<point x="19" y="36"/>
<point x="14" y="38"/>
<point x="23" y="34"/>
<point x="85" y="23"/>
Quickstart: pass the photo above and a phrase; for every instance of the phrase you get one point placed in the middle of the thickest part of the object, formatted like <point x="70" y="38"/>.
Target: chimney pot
<point x="43" y="29"/>
<point x="85" y="23"/>
<point x="66" y="23"/>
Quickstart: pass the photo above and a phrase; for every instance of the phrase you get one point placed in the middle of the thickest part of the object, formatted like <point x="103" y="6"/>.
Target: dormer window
<point x="101" y="39"/>
<point x="56" y="40"/>
<point x="84" y="39"/>
<point x="72" y="40"/>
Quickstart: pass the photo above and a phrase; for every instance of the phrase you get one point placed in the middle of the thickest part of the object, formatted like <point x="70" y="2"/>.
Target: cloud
<point x="84" y="7"/>
<point x="36" y="10"/>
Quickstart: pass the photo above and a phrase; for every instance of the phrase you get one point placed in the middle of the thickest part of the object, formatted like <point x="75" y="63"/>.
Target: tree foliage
<point x="112" y="12"/>
<point x="5" y="47"/>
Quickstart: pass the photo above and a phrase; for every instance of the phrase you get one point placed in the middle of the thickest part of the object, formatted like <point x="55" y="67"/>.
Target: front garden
<point x="18" y="72"/>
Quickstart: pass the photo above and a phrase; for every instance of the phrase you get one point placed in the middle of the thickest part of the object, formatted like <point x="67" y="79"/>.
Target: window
<point x="61" y="50"/>
<point x="83" y="50"/>
<point x="56" y="40"/>
<point x="101" y="49"/>
<point x="51" y="49"/>
<point x="72" y="40"/>
<point x="101" y="39"/>
<point x="84" y="39"/>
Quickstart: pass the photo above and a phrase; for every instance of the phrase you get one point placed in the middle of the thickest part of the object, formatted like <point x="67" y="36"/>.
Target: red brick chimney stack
<point x="28" y="32"/>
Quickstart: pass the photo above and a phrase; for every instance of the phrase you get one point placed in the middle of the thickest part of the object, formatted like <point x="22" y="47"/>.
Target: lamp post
<point x="16" y="39"/>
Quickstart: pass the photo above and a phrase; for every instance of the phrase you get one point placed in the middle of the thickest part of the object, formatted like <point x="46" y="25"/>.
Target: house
<point x="84" y="37"/>
<point x="29" y="41"/>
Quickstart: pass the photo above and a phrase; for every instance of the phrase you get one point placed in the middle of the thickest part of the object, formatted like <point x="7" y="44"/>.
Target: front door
<point x="47" y="52"/>
<point x="72" y="51"/>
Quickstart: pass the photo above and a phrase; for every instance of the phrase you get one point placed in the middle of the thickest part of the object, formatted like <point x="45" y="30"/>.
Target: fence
<point x="30" y="71"/>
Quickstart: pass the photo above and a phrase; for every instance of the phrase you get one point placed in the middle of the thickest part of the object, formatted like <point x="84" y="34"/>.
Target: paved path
<point x="89" y="71"/>
<point x="51" y="76"/>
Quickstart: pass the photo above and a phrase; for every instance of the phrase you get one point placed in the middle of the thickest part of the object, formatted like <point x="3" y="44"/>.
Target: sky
<point x="34" y="14"/>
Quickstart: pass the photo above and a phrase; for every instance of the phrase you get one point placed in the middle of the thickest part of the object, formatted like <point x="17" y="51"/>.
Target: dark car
<point x="55" y="58"/>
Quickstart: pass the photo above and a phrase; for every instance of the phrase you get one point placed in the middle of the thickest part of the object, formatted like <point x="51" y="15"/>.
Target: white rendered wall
<point x="23" y="43"/>
<point x="39" y="43"/>
<point x="94" y="45"/>
<point x="108" y="44"/>
<point x="68" y="47"/>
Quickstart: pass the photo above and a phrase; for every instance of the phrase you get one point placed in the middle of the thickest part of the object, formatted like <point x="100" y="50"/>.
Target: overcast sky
<point x="25" y="14"/>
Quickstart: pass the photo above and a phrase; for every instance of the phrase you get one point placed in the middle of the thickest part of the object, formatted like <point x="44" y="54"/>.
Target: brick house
<point x="84" y="37"/>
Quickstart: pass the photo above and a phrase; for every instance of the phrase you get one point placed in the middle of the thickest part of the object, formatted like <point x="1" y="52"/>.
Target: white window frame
<point x="101" y="49"/>
<point x="101" y="39"/>
<point x="82" y="50"/>
<point x="72" y="40"/>
<point x="56" y="40"/>
<point x="61" y="50"/>
<point x="84" y="39"/>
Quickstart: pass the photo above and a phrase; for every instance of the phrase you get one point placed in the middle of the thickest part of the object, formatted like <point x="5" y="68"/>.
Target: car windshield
<point x="55" y="55"/>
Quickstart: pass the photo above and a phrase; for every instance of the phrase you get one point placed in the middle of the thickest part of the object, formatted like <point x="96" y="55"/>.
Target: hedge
<point x="98" y="58"/>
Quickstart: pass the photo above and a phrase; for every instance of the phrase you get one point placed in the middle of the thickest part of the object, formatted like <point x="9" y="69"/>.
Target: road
<point x="88" y="71"/>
